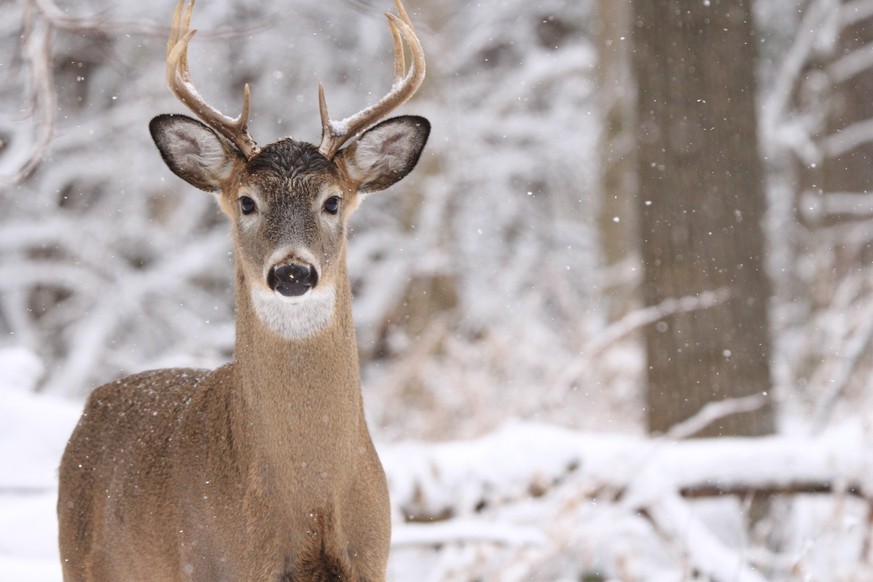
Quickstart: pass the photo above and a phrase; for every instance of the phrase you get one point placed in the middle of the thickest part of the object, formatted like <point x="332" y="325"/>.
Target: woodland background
<point x="635" y="222"/>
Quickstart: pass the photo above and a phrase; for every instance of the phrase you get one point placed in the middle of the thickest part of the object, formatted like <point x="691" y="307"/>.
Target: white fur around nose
<point x="295" y="318"/>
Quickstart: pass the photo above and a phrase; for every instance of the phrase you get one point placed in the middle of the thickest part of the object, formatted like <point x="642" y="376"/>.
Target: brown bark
<point x="615" y="94"/>
<point x="701" y="205"/>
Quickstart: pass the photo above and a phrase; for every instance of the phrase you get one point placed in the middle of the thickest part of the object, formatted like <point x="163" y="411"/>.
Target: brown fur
<point x="262" y="470"/>
<point x="195" y="475"/>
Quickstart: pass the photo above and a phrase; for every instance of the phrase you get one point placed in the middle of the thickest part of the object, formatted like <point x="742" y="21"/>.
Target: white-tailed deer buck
<point x="263" y="469"/>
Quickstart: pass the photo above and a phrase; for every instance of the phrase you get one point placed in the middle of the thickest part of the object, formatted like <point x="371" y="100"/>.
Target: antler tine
<point x="403" y="14"/>
<point x="175" y="31"/>
<point x="399" y="57"/>
<point x="335" y="133"/>
<point x="179" y="81"/>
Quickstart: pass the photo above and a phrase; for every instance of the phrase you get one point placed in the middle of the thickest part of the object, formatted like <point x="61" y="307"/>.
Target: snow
<point x="33" y="431"/>
<point x="33" y="428"/>
<point x="524" y="498"/>
<point x="506" y="403"/>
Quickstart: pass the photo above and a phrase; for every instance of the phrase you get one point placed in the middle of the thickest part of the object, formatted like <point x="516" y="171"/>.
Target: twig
<point x="37" y="53"/>
<point x="673" y="517"/>
<point x="100" y="24"/>
<point x="652" y="314"/>
<point x="629" y="324"/>
<point x="777" y="100"/>
<point x="855" y="11"/>
<point x="701" y="490"/>
<point x="465" y="531"/>
<point x="854" y="349"/>
<point x="713" y="411"/>
<point x="41" y="19"/>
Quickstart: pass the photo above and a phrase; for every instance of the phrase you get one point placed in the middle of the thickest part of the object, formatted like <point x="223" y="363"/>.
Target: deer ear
<point x="193" y="151"/>
<point x="386" y="153"/>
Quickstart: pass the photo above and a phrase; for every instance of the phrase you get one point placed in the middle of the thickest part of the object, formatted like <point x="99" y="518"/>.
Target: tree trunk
<point x="615" y="96"/>
<point x="701" y="205"/>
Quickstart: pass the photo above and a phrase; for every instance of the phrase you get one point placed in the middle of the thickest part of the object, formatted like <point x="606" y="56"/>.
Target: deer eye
<point x="332" y="204"/>
<point x="247" y="205"/>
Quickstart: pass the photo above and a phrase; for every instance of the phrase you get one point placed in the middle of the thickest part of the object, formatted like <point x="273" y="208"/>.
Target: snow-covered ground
<point x="33" y="432"/>
<point x="529" y="501"/>
<point x="111" y="266"/>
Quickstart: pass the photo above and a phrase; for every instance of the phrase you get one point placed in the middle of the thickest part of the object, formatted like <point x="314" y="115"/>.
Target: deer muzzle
<point x="293" y="279"/>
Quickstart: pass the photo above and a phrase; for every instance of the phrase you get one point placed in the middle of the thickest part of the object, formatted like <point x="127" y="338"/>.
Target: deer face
<point x="289" y="201"/>
<point x="289" y="206"/>
<point x="289" y="220"/>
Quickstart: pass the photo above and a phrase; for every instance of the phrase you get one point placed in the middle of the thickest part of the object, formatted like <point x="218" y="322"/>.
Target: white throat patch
<point x="295" y="318"/>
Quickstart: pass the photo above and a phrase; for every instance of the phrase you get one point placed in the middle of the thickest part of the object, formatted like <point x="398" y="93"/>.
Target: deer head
<point x="289" y="201"/>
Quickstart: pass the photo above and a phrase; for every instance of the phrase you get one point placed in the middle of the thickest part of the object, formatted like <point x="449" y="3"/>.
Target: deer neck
<point x="299" y="400"/>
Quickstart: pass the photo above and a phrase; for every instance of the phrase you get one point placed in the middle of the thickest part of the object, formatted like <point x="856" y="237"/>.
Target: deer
<point x="263" y="469"/>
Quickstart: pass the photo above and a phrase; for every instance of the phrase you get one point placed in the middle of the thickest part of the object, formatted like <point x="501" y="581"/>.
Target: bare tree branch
<point x="714" y="411"/>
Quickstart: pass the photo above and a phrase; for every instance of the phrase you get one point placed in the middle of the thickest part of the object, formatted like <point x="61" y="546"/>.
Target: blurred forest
<point x="508" y="277"/>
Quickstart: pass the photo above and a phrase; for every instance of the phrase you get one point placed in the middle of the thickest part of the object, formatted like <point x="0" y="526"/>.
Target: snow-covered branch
<point x="460" y="487"/>
<point x="27" y="151"/>
<point x="460" y="478"/>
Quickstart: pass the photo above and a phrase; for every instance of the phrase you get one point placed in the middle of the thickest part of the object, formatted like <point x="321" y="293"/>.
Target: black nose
<point x="292" y="280"/>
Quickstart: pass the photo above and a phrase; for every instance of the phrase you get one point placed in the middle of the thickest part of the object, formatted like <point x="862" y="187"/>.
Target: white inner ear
<point x="295" y="318"/>
<point x="381" y="150"/>
<point x="197" y="151"/>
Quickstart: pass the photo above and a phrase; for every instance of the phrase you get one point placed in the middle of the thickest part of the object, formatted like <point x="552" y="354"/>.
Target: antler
<point x="179" y="81"/>
<point x="335" y="133"/>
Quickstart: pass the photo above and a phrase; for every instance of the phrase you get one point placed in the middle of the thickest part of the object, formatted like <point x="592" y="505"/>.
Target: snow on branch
<point x="654" y="313"/>
<point x="840" y="373"/>
<point x="848" y="204"/>
<point x="849" y="138"/>
<point x="854" y="63"/>
<point x="437" y="481"/>
<point x="460" y="486"/>
<point x="465" y="530"/>
<point x="854" y="11"/>
<point x="27" y="152"/>
<point x="713" y="411"/>
<point x="674" y="518"/>
<point x="777" y="98"/>
<point x="630" y="323"/>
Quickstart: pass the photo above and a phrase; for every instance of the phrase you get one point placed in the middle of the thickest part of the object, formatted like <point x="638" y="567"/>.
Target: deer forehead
<point x="290" y="159"/>
<point x="291" y="172"/>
